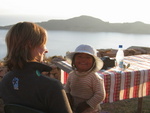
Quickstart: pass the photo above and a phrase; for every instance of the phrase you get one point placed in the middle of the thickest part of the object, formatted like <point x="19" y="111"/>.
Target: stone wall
<point x="133" y="50"/>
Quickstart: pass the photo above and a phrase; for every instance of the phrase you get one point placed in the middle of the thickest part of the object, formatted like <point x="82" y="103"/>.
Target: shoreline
<point x="132" y="50"/>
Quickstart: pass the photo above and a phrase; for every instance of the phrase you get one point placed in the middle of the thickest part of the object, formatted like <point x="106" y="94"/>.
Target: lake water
<point x="59" y="42"/>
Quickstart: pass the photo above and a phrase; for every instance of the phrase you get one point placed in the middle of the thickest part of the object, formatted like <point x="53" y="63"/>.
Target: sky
<point x="113" y="11"/>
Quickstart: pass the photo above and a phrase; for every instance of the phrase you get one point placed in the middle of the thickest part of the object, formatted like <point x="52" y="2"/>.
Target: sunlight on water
<point x="59" y="42"/>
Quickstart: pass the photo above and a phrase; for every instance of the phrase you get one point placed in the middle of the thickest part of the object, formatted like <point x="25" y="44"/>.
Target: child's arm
<point x="99" y="92"/>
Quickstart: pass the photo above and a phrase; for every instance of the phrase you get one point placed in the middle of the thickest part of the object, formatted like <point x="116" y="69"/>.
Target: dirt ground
<point x="124" y="106"/>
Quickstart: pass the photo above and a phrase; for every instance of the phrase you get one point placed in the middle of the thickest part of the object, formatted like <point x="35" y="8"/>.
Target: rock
<point x="106" y="52"/>
<point x="133" y="50"/>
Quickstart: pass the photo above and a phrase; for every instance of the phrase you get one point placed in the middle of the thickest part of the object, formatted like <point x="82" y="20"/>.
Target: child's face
<point x="83" y="62"/>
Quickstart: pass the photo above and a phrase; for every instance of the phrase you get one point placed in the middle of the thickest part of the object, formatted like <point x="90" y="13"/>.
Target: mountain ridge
<point x="92" y="24"/>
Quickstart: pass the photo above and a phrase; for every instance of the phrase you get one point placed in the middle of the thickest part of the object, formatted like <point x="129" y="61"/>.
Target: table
<point x="134" y="82"/>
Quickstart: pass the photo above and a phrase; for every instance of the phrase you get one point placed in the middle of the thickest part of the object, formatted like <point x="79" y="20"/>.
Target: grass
<point x="127" y="106"/>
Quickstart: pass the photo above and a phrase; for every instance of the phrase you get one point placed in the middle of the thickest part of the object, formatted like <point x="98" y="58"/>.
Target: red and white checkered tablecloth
<point x="134" y="82"/>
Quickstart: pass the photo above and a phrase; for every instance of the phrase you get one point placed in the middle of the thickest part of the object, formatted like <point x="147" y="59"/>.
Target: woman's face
<point x="39" y="52"/>
<point x="83" y="62"/>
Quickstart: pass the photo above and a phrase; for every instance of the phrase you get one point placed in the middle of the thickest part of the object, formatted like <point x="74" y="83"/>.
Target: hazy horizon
<point x="113" y="11"/>
<point x="9" y="20"/>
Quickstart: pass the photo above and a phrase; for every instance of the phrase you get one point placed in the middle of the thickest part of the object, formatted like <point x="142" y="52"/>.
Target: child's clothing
<point x="89" y="88"/>
<point x="85" y="88"/>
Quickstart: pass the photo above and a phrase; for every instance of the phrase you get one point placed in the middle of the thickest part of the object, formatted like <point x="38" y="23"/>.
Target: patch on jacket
<point x="15" y="83"/>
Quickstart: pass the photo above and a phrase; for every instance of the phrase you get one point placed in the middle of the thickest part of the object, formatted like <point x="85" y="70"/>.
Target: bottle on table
<point x="119" y="59"/>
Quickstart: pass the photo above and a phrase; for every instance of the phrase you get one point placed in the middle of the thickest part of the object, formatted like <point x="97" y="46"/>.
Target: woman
<point x="24" y="84"/>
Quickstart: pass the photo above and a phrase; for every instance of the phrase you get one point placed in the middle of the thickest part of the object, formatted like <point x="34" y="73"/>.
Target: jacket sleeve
<point x="57" y="99"/>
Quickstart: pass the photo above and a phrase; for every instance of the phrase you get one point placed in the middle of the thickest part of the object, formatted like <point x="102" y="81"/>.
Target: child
<point x="85" y="88"/>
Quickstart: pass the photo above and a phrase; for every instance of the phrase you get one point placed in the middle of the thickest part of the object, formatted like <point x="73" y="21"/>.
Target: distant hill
<point x="91" y="24"/>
